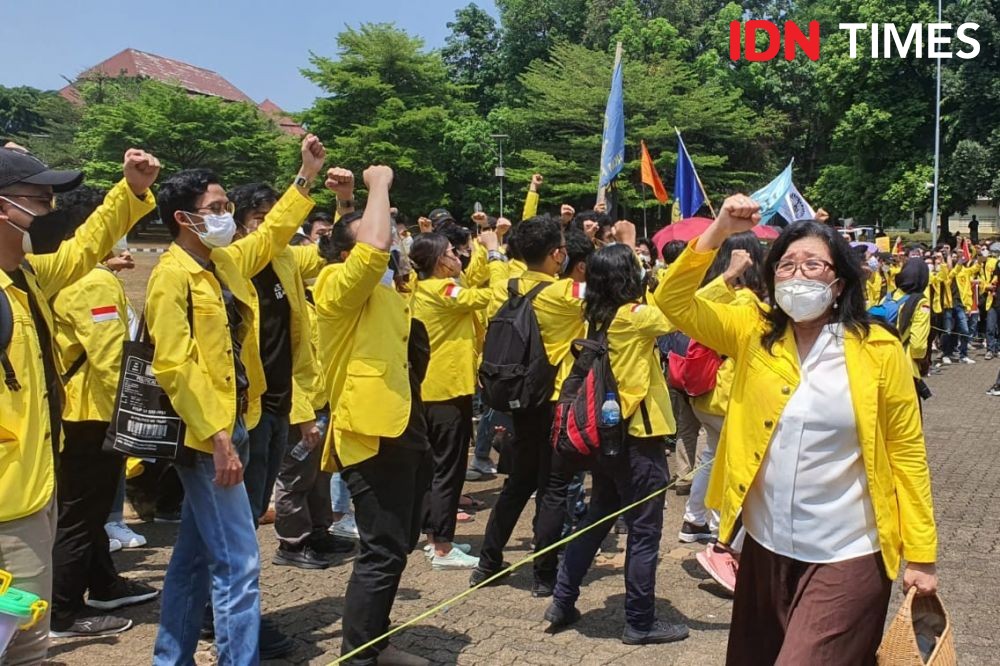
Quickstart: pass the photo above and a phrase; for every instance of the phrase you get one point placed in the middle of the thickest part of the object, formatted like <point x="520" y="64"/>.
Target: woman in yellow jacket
<point x="448" y="312"/>
<point x="825" y="465"/>
<point x="615" y="289"/>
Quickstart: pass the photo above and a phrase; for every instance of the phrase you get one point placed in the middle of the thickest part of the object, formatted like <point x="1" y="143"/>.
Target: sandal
<point x="463" y="517"/>
<point x="467" y="502"/>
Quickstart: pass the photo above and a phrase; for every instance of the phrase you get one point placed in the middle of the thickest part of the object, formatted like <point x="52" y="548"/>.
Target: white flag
<point x="795" y="207"/>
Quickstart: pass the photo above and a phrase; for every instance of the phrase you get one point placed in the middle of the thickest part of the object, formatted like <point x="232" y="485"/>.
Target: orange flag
<point x="898" y="249"/>
<point x="650" y="177"/>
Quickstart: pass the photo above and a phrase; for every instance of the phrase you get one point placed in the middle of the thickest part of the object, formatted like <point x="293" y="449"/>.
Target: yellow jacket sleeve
<point x="255" y="251"/>
<point x="308" y="260"/>
<point x="347" y="288"/>
<point x="93" y="241"/>
<point x="454" y="298"/>
<point x="478" y="273"/>
<point x="530" y="205"/>
<point x="908" y="462"/>
<point x="721" y="327"/>
<point x="190" y="389"/>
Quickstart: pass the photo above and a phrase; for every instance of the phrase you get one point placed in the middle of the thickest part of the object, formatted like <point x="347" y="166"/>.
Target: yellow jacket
<point x="449" y="313"/>
<point x="26" y="450"/>
<point x="91" y="318"/>
<point x="917" y="333"/>
<point x="874" y="288"/>
<point x="635" y="363"/>
<point x="530" y="205"/>
<point x="882" y="393"/>
<point x="195" y="368"/>
<point x="559" y="308"/>
<point x="364" y="328"/>
<point x="936" y="288"/>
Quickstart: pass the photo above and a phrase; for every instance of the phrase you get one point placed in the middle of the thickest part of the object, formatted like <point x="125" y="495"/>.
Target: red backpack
<point x="691" y="366"/>
<point x="578" y="433"/>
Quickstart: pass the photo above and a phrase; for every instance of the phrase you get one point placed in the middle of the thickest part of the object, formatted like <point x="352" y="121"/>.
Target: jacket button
<point x="405" y="338"/>
<point x="768" y="424"/>
<point x="743" y="488"/>
<point x="786" y="390"/>
<point x="756" y="456"/>
<point x="228" y="379"/>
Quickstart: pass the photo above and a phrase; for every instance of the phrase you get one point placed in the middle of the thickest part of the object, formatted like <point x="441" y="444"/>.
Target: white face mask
<point x="26" y="246"/>
<point x="803" y="300"/>
<point x="218" y="230"/>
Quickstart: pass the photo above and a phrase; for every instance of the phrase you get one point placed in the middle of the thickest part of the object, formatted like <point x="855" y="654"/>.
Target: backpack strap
<point x="646" y="423"/>
<point x="73" y="369"/>
<point x="536" y="290"/>
<point x="6" y="334"/>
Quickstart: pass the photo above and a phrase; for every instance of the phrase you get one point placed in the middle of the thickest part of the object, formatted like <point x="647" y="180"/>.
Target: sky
<point x="258" y="45"/>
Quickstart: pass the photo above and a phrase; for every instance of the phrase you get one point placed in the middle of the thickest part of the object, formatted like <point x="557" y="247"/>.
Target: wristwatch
<point x="349" y="203"/>
<point x="496" y="256"/>
<point x="300" y="181"/>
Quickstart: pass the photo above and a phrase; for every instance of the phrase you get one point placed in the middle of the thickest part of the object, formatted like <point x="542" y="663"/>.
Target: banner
<point x="613" y="143"/>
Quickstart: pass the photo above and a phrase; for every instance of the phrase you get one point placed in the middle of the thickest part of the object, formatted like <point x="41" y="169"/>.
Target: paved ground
<point x="503" y="625"/>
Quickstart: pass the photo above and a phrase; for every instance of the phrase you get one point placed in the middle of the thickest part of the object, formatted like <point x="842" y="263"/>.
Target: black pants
<point x="87" y="484"/>
<point x="449" y="429"/>
<point x="157" y="491"/>
<point x="533" y="466"/>
<point x="619" y="482"/>
<point x="387" y="491"/>
<point x="301" y="497"/>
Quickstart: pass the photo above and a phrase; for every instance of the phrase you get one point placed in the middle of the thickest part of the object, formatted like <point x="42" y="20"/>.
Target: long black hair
<point x="850" y="306"/>
<point x="613" y="279"/>
<point x="752" y="278"/>
<point x="425" y="252"/>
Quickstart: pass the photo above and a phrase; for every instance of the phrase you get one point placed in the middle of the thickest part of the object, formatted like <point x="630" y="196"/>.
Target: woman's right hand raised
<point x="738" y="213"/>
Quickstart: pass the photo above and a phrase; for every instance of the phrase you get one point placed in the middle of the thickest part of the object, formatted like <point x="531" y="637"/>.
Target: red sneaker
<point x="721" y="566"/>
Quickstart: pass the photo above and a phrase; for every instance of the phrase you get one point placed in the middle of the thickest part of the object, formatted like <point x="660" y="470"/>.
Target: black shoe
<point x="99" y="625"/>
<point x="479" y="575"/>
<point x="682" y="490"/>
<point x="172" y="518"/>
<point x="559" y="617"/>
<point x="330" y="544"/>
<point x="993" y="390"/>
<point x="307" y="558"/>
<point x="660" y="632"/>
<point x="690" y="533"/>
<point x="273" y="643"/>
<point x="124" y="592"/>
<point x="542" y="589"/>
<point x="620" y="526"/>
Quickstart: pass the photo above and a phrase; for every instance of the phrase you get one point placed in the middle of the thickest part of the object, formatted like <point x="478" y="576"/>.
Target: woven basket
<point x="899" y="645"/>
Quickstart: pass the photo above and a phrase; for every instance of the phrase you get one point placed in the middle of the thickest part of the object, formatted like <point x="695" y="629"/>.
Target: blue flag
<point x="687" y="187"/>
<point x="613" y="143"/>
<point x="771" y="197"/>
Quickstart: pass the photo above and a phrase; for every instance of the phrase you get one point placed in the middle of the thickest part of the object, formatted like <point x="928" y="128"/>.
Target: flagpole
<point x="618" y="59"/>
<point x="937" y="149"/>
<point x="644" y="232"/>
<point x="697" y="177"/>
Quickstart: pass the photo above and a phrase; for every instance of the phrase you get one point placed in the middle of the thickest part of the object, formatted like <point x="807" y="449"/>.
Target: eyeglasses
<point x="811" y="268"/>
<point x="49" y="200"/>
<point x="219" y="208"/>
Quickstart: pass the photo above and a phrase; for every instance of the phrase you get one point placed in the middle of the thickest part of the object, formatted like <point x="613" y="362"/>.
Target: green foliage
<point x="387" y="101"/>
<point x="185" y="131"/>
<point x="42" y="122"/>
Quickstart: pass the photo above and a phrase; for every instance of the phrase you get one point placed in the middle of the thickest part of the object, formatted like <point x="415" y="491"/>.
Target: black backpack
<point x="578" y="433"/>
<point x="515" y="373"/>
<point x="6" y="333"/>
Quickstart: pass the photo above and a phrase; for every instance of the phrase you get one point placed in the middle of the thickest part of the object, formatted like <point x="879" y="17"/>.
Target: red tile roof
<point x="139" y="63"/>
<point x="275" y="112"/>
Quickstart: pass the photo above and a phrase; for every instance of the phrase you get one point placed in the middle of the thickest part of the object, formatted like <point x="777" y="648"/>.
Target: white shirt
<point x="810" y="499"/>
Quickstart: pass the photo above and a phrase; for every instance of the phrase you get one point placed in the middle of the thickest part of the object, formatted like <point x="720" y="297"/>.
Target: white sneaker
<point x="946" y="360"/>
<point x="464" y="547"/>
<point x="455" y="559"/>
<point x="967" y="360"/>
<point x="346" y="527"/>
<point x="484" y="466"/>
<point x="114" y="545"/>
<point x="123" y="533"/>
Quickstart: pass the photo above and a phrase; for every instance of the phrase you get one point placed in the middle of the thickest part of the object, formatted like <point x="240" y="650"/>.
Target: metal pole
<point x="937" y="149"/>
<point x="499" y="172"/>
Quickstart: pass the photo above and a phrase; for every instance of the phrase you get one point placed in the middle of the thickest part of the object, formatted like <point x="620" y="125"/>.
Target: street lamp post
<point x="937" y="149"/>
<point x="499" y="171"/>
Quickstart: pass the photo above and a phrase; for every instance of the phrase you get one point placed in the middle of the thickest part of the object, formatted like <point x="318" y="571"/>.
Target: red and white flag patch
<point x="452" y="291"/>
<point x="104" y="313"/>
<point x="580" y="290"/>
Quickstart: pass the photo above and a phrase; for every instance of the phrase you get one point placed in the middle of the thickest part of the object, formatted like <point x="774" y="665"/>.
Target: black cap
<point x="439" y="216"/>
<point x="17" y="166"/>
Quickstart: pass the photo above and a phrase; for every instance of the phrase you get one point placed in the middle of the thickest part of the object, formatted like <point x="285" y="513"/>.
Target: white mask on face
<point x="25" y="238"/>
<point x="803" y="300"/>
<point x="218" y="230"/>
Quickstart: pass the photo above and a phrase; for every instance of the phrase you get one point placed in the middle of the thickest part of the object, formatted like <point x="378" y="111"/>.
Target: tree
<point x="185" y="131"/>
<point x="472" y="56"/>
<point x="388" y="101"/>
<point x="967" y="175"/>
<point x="41" y="121"/>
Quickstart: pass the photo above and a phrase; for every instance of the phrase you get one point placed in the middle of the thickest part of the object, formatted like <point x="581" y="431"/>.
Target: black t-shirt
<point x="52" y="382"/>
<point x="275" y="341"/>
<point x="419" y="356"/>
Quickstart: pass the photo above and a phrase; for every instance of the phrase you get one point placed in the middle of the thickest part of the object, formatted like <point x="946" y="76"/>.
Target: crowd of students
<point x="338" y="363"/>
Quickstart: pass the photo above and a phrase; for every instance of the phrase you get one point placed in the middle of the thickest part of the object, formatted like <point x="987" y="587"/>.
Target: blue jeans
<point x="340" y="494"/>
<point x="267" y="448"/>
<point x="956" y="326"/>
<point x="216" y="556"/>
<point x="992" y="337"/>
<point x="118" y="506"/>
